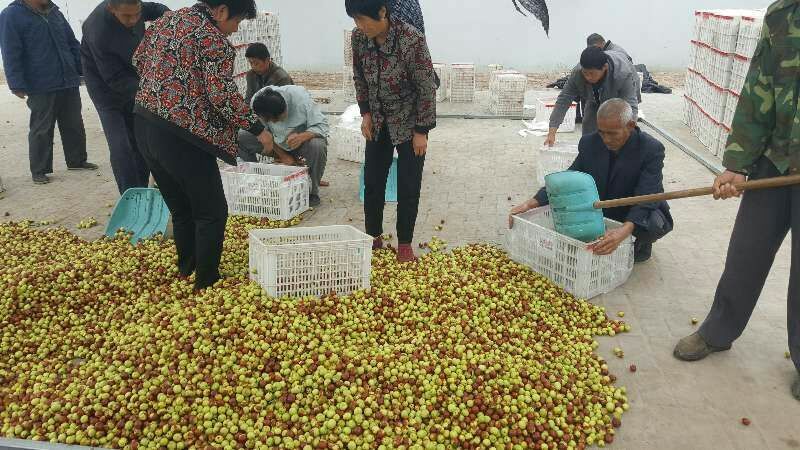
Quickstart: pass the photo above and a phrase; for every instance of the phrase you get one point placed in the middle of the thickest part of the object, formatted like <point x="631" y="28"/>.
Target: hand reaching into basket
<point x="609" y="243"/>
<point x="525" y="207"/>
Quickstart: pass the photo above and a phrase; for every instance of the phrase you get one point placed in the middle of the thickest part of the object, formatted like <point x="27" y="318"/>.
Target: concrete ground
<point x="473" y="167"/>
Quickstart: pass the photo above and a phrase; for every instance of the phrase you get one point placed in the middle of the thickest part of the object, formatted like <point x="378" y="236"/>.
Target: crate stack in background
<point x="265" y="28"/>
<point x="348" y="86"/>
<point x="461" y="86"/>
<point x="720" y="51"/>
<point x="507" y="92"/>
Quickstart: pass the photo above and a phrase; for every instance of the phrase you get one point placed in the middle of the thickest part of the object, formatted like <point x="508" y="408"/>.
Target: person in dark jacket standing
<point x="396" y="93"/>
<point x="111" y="34"/>
<point x="42" y="63"/>
<point x="188" y="111"/>
<point x="624" y="162"/>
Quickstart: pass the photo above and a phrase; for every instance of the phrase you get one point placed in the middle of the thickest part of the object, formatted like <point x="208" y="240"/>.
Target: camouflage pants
<point x="765" y="218"/>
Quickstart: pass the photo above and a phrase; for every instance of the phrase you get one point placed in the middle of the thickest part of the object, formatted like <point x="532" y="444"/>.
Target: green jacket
<point x="766" y="121"/>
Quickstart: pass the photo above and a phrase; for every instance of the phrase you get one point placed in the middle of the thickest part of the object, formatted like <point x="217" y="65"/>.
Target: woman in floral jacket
<point x="396" y="92"/>
<point x="188" y="111"/>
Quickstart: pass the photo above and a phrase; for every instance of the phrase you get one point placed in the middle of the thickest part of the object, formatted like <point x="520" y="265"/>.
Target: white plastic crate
<point x="276" y="192"/>
<point x="730" y="108"/>
<point x="750" y="33"/>
<point x="507" y="93"/>
<point x="348" y="144"/>
<point x="719" y="70"/>
<point x="443" y="71"/>
<point x="348" y="85"/>
<point x="741" y="65"/>
<point x="554" y="159"/>
<point x="348" y="47"/>
<point x="462" y="83"/>
<point x="297" y="262"/>
<point x="265" y="28"/>
<point x="544" y="108"/>
<point x="565" y="261"/>
<point x="713" y="100"/>
<point x="727" y="42"/>
<point x="241" y="82"/>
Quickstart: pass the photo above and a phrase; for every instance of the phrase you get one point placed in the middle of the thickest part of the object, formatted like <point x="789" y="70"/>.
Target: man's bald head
<point x="615" y="123"/>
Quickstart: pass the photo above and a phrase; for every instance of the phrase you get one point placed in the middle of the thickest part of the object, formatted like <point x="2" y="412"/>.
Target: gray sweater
<point x="622" y="81"/>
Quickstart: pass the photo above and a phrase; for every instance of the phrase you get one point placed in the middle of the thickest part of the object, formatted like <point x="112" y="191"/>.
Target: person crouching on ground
<point x="299" y="130"/>
<point x="396" y="93"/>
<point x="624" y="162"/>
<point x="188" y="110"/>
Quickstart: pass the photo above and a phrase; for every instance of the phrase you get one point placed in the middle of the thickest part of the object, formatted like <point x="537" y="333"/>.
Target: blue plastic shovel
<point x="140" y="211"/>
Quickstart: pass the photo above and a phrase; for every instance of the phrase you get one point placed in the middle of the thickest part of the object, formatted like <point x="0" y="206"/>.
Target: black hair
<point x="595" y="39"/>
<point x="115" y="3"/>
<point x="368" y="8"/>
<point x="269" y="104"/>
<point x="238" y="8"/>
<point x="593" y="58"/>
<point x="258" y="51"/>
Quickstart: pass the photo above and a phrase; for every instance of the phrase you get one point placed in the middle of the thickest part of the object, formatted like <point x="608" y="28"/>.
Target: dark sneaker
<point x="642" y="252"/>
<point x="314" y="201"/>
<point x="796" y="388"/>
<point x="694" y="348"/>
<point x="84" y="166"/>
<point x="40" y="179"/>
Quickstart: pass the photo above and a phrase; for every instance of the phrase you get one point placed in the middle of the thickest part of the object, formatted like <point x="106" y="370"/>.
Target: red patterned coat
<point x="395" y="82"/>
<point x="186" y="69"/>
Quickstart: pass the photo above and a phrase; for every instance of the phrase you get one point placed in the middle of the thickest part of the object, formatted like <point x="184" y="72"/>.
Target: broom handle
<point x="766" y="183"/>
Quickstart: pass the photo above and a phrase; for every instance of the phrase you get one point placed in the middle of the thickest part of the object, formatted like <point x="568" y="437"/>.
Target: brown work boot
<point x="695" y="348"/>
<point x="796" y="388"/>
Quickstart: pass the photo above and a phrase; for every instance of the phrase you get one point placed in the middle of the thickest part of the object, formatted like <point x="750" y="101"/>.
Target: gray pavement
<point x="473" y="167"/>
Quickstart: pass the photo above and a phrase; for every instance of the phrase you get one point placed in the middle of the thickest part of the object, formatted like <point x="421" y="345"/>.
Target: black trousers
<point x="63" y="108"/>
<point x="127" y="163"/>
<point x="658" y="226"/>
<point x="377" y="162"/>
<point x="189" y="180"/>
<point x="765" y="218"/>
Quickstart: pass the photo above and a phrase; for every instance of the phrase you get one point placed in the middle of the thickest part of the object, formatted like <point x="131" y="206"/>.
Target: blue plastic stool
<point x="572" y="196"/>
<point x="391" y="183"/>
<point x="141" y="211"/>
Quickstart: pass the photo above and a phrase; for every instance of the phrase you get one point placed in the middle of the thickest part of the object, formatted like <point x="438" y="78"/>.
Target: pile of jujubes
<point x="102" y="344"/>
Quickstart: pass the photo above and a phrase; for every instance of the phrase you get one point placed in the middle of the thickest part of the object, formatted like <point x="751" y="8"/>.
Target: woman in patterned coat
<point x="396" y="93"/>
<point x="188" y="112"/>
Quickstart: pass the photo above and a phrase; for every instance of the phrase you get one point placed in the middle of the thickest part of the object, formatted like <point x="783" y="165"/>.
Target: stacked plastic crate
<point x="462" y="83"/>
<point x="507" y="92"/>
<point x="720" y="52"/>
<point x="348" y="86"/>
<point x="265" y="28"/>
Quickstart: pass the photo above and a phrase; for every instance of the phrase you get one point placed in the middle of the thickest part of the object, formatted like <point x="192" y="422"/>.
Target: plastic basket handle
<point x="767" y="183"/>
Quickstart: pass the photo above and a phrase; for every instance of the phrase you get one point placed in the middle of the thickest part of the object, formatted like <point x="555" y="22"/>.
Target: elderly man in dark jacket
<point x="600" y="76"/>
<point x="624" y="162"/>
<point x="42" y="62"/>
<point x="111" y="34"/>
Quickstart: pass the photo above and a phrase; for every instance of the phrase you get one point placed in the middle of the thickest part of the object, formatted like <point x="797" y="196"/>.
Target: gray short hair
<point x="616" y="108"/>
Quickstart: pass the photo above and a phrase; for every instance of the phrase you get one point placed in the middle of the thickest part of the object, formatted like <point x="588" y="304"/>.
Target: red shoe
<point x="377" y="243"/>
<point x="405" y="253"/>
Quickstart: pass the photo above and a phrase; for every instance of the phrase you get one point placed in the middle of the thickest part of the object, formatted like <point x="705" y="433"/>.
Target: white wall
<point x="491" y="31"/>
